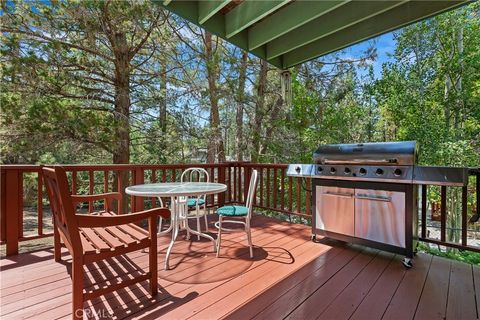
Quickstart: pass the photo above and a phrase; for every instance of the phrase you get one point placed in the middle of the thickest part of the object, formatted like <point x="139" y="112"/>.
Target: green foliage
<point x="455" y="254"/>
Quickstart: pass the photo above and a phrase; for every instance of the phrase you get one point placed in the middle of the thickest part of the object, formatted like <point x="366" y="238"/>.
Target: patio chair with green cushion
<point x="238" y="213"/>
<point x="197" y="202"/>
<point x="193" y="175"/>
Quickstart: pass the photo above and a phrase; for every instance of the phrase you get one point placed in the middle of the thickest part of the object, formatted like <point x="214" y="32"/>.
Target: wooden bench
<point x="94" y="237"/>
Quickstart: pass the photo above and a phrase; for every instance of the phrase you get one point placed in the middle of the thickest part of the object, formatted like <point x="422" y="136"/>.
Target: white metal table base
<point x="175" y="224"/>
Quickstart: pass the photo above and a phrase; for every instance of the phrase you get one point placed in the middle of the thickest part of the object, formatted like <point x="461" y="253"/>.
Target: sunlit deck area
<point x="289" y="277"/>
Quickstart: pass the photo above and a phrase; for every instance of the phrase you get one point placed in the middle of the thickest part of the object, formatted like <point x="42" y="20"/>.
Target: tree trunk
<point x="121" y="148"/>
<point x="259" y="111"/>
<point x="458" y="84"/>
<point x="163" y="98"/>
<point x="274" y="115"/>
<point x="215" y="143"/>
<point x="239" y="145"/>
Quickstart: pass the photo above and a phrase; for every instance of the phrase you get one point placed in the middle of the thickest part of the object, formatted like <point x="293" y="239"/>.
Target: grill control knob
<point x="320" y="169"/>
<point x="397" y="172"/>
<point x="333" y="170"/>
<point x="362" y="171"/>
<point x="347" y="171"/>
<point x="379" y="172"/>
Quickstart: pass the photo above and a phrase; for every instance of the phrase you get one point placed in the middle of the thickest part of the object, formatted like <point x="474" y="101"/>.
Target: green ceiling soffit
<point x="379" y="24"/>
<point x="345" y="16"/>
<point x="216" y="25"/>
<point x="249" y="12"/>
<point x="206" y="9"/>
<point x="287" y="19"/>
<point x="286" y="33"/>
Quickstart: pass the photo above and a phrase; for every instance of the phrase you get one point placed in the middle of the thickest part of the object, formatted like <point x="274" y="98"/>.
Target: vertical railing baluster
<point x="210" y="199"/>
<point x="443" y="214"/>
<point x="307" y="197"/>
<point x="221" y="179"/>
<point x="290" y="200"/>
<point x="261" y="186"/>
<point x="239" y="188"/>
<point x="464" y="215"/>
<point x="282" y="190"/>
<point x="91" y="183"/>
<point x="120" y="188"/>
<point x="424" y="211"/>
<point x="74" y="181"/>
<point x="40" y="204"/>
<point x="234" y="181"/>
<point x="105" y="180"/>
<point x="275" y="188"/>
<point x="153" y="179"/>
<point x="268" y="188"/>
<point x="477" y="190"/>
<point x="299" y="196"/>
<point x="230" y="186"/>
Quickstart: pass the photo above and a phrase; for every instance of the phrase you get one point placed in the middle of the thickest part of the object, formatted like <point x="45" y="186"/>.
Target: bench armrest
<point x="108" y="197"/>
<point x="94" y="221"/>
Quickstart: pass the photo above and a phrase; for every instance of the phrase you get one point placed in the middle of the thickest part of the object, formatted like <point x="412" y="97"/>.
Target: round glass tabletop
<point x="175" y="189"/>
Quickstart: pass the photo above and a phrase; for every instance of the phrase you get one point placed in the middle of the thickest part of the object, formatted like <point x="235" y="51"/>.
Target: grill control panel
<point x="399" y="174"/>
<point x="403" y="174"/>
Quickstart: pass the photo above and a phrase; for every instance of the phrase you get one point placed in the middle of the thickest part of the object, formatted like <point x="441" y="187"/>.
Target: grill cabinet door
<point x="335" y="209"/>
<point x="380" y="216"/>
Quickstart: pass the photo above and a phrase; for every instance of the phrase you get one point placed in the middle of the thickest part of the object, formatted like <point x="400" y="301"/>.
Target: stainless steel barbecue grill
<point x="393" y="162"/>
<point x="367" y="193"/>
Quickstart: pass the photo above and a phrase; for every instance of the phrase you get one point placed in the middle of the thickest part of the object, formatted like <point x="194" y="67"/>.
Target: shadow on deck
<point x="289" y="277"/>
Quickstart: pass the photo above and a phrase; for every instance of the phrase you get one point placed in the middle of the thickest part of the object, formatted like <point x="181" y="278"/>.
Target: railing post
<point x="139" y="178"/>
<point x="13" y="209"/>
<point x="443" y="210"/>
<point x="3" y="206"/>
<point x="424" y="211"/>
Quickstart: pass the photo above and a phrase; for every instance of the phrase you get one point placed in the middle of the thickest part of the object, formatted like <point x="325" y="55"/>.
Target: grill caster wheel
<point x="407" y="263"/>
<point x="313" y="237"/>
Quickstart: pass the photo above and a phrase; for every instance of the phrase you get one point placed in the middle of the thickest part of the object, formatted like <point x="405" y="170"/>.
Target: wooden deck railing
<point x="275" y="192"/>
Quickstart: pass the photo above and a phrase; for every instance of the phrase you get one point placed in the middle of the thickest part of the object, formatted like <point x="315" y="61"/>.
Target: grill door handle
<point x="338" y="194"/>
<point x="374" y="198"/>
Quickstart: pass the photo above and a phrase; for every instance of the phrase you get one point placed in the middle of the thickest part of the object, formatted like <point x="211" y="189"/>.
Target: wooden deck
<point x="289" y="277"/>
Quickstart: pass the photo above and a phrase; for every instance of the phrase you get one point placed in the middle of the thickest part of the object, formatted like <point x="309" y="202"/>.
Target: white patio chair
<point x="192" y="175"/>
<point x="197" y="202"/>
<point x="239" y="213"/>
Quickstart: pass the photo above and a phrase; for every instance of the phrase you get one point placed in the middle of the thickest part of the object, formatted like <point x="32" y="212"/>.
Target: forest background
<point x="128" y="82"/>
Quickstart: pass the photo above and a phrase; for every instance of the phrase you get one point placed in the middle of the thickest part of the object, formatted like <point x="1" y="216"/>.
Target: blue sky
<point x="385" y="45"/>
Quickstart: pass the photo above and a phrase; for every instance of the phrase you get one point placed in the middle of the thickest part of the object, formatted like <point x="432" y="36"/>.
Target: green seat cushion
<point x="233" y="211"/>
<point x="193" y="202"/>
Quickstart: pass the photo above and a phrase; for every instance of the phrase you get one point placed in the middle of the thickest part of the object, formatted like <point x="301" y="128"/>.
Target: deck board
<point x="374" y="305"/>
<point x="433" y="303"/>
<point x="411" y="286"/>
<point x="461" y="293"/>
<point x="315" y="304"/>
<point x="289" y="277"/>
<point x="346" y="303"/>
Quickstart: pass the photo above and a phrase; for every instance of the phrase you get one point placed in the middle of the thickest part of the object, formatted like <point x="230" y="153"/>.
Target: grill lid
<point x="401" y="153"/>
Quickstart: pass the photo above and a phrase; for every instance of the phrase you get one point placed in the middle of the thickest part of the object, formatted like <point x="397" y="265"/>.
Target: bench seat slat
<point x="95" y="240"/>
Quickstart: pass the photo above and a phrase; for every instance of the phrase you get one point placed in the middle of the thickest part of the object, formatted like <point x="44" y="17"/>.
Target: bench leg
<point x="153" y="257"/>
<point x="77" y="289"/>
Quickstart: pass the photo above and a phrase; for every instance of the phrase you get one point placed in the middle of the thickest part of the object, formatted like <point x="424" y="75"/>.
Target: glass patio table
<point x="178" y="191"/>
